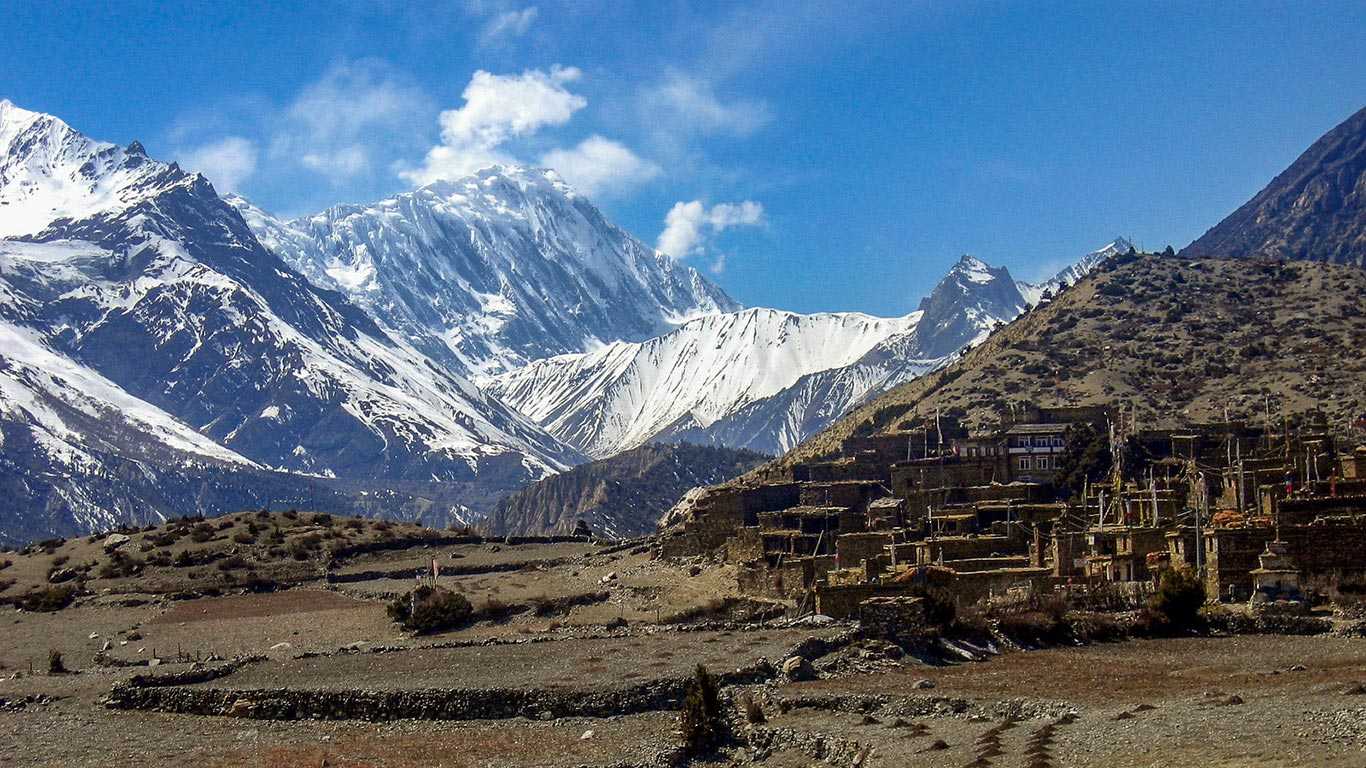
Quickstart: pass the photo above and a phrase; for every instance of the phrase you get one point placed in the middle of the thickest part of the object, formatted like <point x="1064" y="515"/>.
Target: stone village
<point x="1274" y="515"/>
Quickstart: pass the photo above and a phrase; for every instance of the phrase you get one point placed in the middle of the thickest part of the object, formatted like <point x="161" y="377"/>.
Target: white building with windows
<point x="1034" y="450"/>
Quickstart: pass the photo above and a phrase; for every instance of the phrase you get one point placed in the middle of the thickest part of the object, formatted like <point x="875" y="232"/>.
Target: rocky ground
<point x="324" y="639"/>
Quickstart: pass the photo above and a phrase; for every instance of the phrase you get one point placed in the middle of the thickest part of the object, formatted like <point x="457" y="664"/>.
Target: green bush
<point x="431" y="609"/>
<point x="120" y="566"/>
<point x="55" y="664"/>
<point x="701" y="719"/>
<point x="1175" y="606"/>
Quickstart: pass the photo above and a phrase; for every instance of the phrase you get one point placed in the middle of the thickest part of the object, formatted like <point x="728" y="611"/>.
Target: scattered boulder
<point x="923" y="684"/>
<point x="114" y="541"/>
<point x="798" y="668"/>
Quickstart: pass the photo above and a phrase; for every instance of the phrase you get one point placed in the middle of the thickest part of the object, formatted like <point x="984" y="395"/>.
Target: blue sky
<point x="835" y="156"/>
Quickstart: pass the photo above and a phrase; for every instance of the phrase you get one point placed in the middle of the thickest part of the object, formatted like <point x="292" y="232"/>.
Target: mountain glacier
<point x="758" y="379"/>
<point x="137" y="274"/>
<point x="492" y="271"/>
<point x="625" y="394"/>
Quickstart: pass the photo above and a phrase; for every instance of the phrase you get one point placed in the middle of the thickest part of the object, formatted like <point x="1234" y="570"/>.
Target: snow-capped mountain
<point x="624" y="394"/>
<point x="749" y="379"/>
<point x="1033" y="292"/>
<point x="494" y="270"/>
<point x="139" y="275"/>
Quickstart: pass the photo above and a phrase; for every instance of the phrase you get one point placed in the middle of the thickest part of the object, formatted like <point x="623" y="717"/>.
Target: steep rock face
<point x="622" y="496"/>
<point x="136" y="272"/>
<point x="78" y="453"/>
<point x="1314" y="210"/>
<point x="627" y="393"/>
<point x="494" y="270"/>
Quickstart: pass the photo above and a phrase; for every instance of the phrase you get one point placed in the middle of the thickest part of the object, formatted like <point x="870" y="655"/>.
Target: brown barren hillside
<point x="1314" y="210"/>
<point x="1174" y="339"/>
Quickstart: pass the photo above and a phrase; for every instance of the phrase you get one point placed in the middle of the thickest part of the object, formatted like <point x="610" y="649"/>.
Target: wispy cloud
<point x="689" y="226"/>
<point x="689" y="104"/>
<point x="506" y="26"/>
<point x="225" y="162"/>
<point x="601" y="167"/>
<point x="335" y="125"/>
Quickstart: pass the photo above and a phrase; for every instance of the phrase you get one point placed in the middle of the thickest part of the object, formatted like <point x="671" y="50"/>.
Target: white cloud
<point x="334" y="124"/>
<point x="600" y="167"/>
<point x="498" y="108"/>
<point x="688" y="226"/>
<point x="507" y="25"/>
<point x="226" y="162"/>
<point x="686" y="104"/>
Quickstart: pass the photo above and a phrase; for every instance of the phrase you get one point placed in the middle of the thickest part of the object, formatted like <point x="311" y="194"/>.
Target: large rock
<point x="798" y="668"/>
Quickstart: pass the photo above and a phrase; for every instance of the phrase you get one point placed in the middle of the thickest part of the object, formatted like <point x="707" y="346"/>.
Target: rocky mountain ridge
<point x="1314" y="210"/>
<point x="494" y="270"/>
<point x="135" y="273"/>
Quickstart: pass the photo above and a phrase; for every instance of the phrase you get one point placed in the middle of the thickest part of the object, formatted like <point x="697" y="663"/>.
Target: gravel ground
<point x="1226" y="702"/>
<point x="572" y="663"/>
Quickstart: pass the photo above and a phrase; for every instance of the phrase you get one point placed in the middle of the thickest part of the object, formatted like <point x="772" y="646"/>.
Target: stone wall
<point x="1327" y="556"/>
<point x="897" y="619"/>
<point x="853" y="548"/>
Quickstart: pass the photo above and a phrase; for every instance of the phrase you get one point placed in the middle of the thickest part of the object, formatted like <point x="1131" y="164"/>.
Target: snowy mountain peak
<point x="491" y="271"/>
<point x="1033" y="292"/>
<point x="50" y="171"/>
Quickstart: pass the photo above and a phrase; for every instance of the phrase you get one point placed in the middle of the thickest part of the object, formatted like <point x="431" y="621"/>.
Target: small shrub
<point x="201" y="533"/>
<point x="48" y="600"/>
<point x="497" y="610"/>
<point x="236" y="562"/>
<point x="1175" y="606"/>
<point x="701" y="718"/>
<point x="430" y="609"/>
<point x="5" y="564"/>
<point x="1036" y="628"/>
<point x="754" y="714"/>
<point x="322" y="519"/>
<point x="55" y="663"/>
<point x="243" y="537"/>
<point x="120" y="566"/>
<point x="182" y="559"/>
